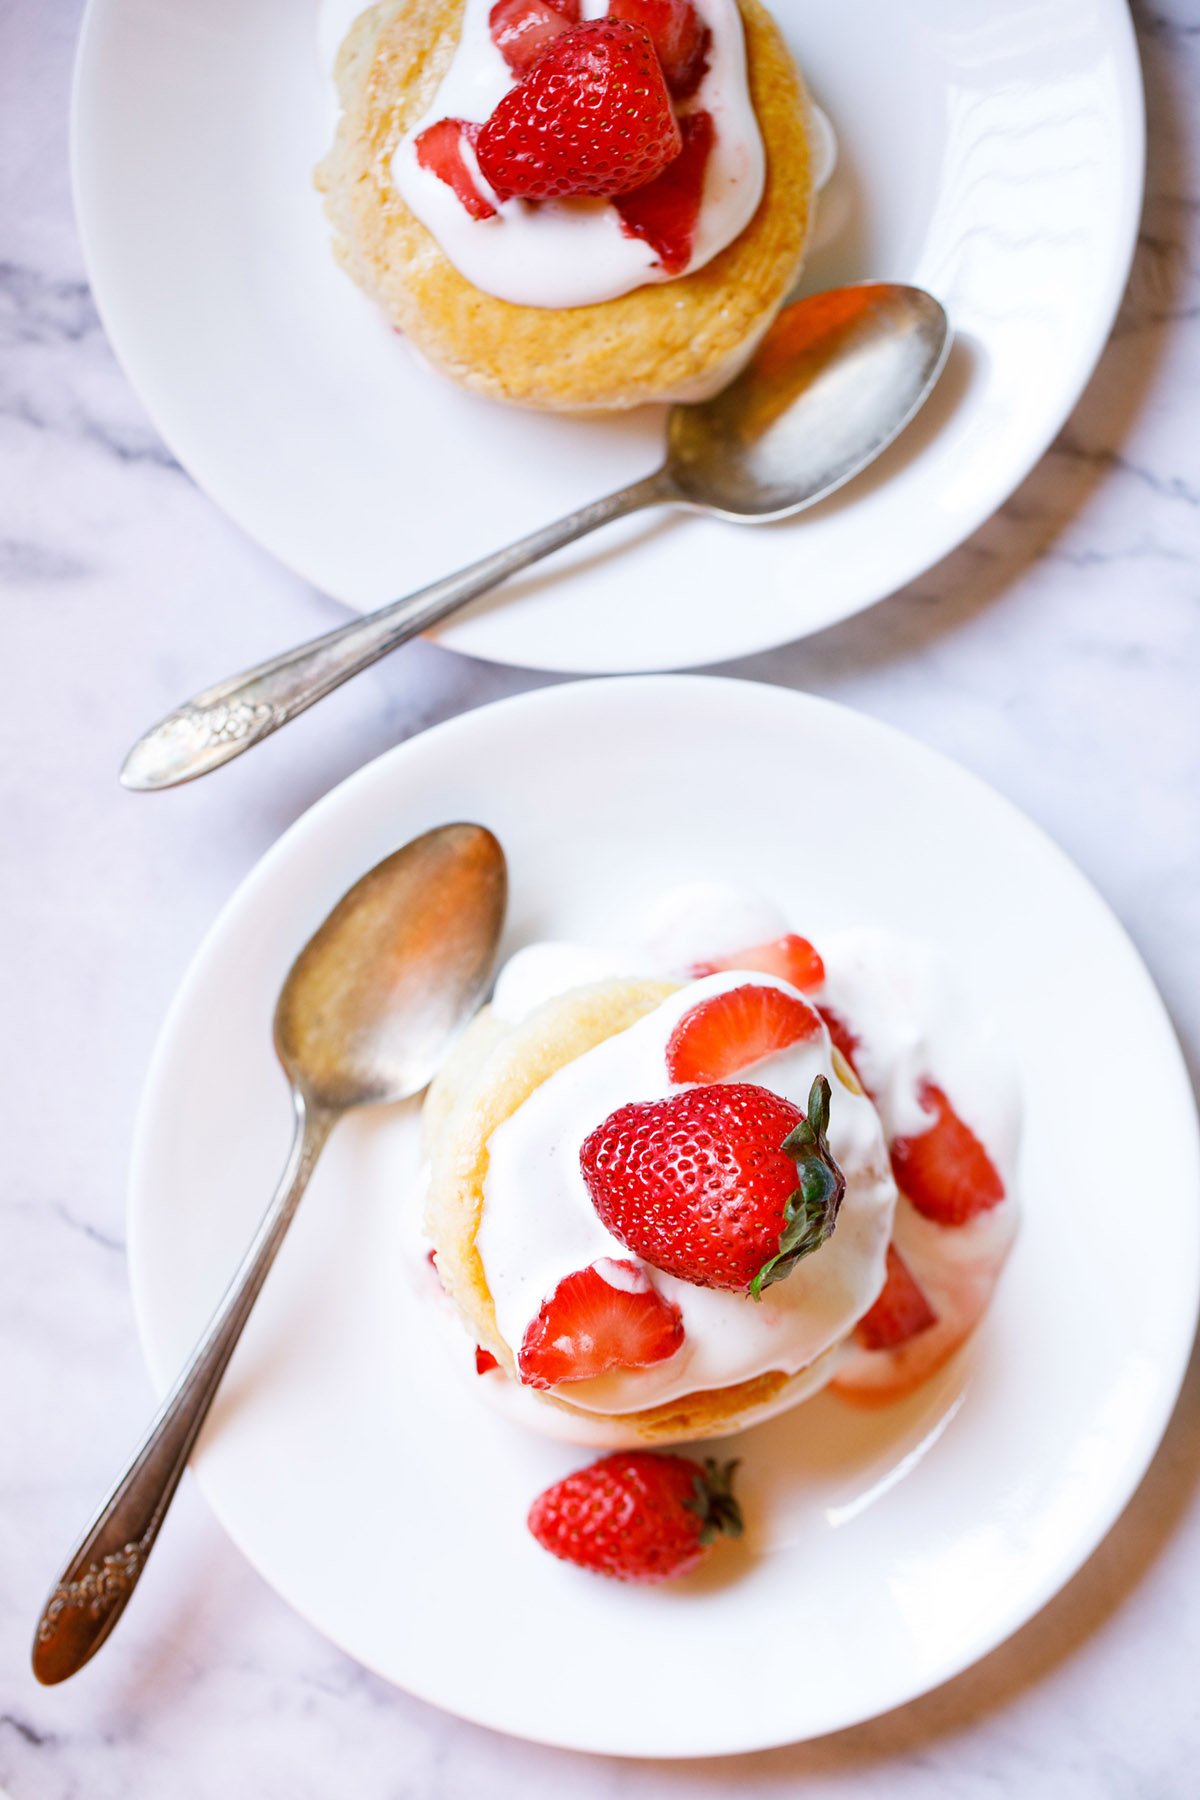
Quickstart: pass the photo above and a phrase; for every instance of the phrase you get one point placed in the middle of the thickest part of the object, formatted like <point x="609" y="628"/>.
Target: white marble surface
<point x="1058" y="654"/>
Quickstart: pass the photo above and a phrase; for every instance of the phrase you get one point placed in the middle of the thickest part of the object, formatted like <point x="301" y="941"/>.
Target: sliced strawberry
<point x="593" y="116"/>
<point x="792" y="958"/>
<point x="664" y="212"/>
<point x="730" y="1031"/>
<point x="521" y="29"/>
<point x="678" y="34"/>
<point x="604" y="1317"/>
<point x="945" y="1171"/>
<point x="900" y="1312"/>
<point x="439" y="149"/>
<point x="484" y="1360"/>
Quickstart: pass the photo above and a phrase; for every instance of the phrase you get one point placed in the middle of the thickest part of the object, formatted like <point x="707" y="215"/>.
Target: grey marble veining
<point x="1057" y="653"/>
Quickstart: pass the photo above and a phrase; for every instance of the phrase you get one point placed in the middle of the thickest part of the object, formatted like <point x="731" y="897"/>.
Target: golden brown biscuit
<point x="493" y="1069"/>
<point x="672" y="340"/>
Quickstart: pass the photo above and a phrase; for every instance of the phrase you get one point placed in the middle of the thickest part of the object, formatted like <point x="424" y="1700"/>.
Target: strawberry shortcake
<point x="680" y="1185"/>
<point x="572" y="204"/>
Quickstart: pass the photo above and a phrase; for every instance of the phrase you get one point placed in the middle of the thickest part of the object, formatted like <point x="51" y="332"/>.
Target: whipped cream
<point x="538" y="1222"/>
<point x="694" y="923"/>
<point x="564" y="253"/>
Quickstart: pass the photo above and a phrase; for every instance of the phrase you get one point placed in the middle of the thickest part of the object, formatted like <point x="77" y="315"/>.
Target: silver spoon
<point x="834" y="381"/>
<point x="364" y="1017"/>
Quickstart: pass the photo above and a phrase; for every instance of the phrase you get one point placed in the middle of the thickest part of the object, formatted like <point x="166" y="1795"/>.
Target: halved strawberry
<point x="593" y="116"/>
<point x="792" y="958"/>
<point x="945" y="1171"/>
<point x="730" y="1031"/>
<point x="664" y="212"/>
<point x="522" y="29"/>
<point x="900" y="1312"/>
<point x="439" y="149"/>
<point x="484" y="1360"/>
<point x="678" y="34"/>
<point x="726" y="1186"/>
<point x="604" y="1317"/>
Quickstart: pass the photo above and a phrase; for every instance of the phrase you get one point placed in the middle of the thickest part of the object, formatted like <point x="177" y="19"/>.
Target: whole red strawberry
<point x="725" y="1186"/>
<point x="593" y="116"/>
<point x="638" y="1516"/>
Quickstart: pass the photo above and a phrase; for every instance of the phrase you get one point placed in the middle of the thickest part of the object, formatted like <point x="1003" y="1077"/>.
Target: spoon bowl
<point x="379" y="990"/>
<point x="835" y="379"/>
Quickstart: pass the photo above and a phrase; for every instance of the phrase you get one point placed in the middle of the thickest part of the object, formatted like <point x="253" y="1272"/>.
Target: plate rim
<point x="1153" y="1421"/>
<point x="122" y="342"/>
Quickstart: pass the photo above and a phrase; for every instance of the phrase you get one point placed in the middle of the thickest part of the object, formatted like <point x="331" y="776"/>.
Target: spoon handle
<point x="94" y="1588"/>
<point x="218" y="724"/>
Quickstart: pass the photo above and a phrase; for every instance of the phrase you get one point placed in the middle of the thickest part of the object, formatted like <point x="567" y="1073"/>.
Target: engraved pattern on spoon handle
<point x="226" y="719"/>
<point x="94" y="1588"/>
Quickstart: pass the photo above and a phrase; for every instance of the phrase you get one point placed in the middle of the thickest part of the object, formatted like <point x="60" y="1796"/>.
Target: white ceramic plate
<point x="352" y="1456"/>
<point x="991" y="150"/>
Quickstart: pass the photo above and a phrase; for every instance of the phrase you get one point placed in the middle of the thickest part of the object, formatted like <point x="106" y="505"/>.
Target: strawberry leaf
<point x="811" y="1212"/>
<point x="713" y="1503"/>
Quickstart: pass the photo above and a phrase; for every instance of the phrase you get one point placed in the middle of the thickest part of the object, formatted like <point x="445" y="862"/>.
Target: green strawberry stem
<point x="811" y="1212"/>
<point x="713" y="1503"/>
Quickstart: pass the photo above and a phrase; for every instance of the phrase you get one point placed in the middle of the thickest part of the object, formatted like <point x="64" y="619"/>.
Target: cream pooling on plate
<point x="573" y="252"/>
